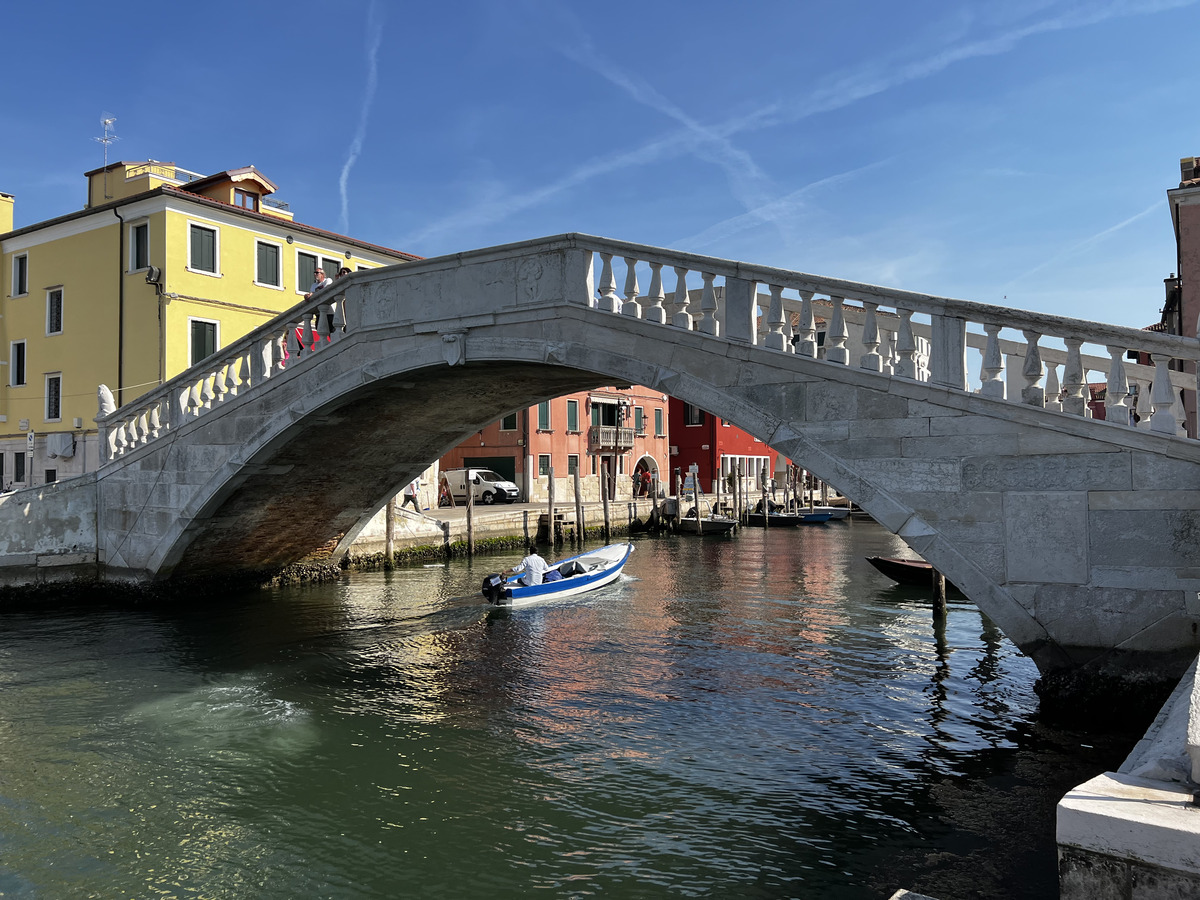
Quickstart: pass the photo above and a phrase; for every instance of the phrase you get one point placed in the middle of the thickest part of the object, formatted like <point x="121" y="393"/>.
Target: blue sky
<point x="1014" y="153"/>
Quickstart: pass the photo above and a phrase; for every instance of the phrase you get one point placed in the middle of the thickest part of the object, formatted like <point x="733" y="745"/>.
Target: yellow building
<point x="159" y="270"/>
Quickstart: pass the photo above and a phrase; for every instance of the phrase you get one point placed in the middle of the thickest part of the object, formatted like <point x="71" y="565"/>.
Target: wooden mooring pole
<point x="551" y="536"/>
<point x="939" y="595"/>
<point x="389" y="525"/>
<point x="470" y="518"/>
<point x="604" y="486"/>
<point x="578" y="511"/>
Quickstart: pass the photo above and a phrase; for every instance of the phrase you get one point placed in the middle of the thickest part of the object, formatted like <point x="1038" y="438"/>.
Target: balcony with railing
<point x="609" y="439"/>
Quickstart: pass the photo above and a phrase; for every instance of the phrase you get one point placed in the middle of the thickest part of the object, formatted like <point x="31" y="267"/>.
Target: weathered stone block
<point x="1098" y="471"/>
<point x="1046" y="537"/>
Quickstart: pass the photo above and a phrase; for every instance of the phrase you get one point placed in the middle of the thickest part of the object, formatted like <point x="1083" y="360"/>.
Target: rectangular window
<point x="203" y="338"/>
<point x="51" y="476"/>
<point x="692" y="415"/>
<point x="245" y="199"/>
<point x="572" y="415"/>
<point x="54" y="397"/>
<point x="19" y="467"/>
<point x="509" y="423"/>
<point x="16" y="363"/>
<point x="54" y="311"/>
<point x="20" y="275"/>
<point x="331" y="267"/>
<point x="543" y="464"/>
<point x="1" y="468"/>
<point x="267" y="268"/>
<point x="202" y="249"/>
<point x="139" y="246"/>
<point x="639" y="420"/>
<point x="306" y="271"/>
<point x="544" y="416"/>
<point x="572" y="463"/>
<point x="658" y="423"/>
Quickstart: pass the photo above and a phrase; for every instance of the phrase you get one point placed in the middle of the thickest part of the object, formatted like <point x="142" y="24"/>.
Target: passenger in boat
<point x="532" y="566"/>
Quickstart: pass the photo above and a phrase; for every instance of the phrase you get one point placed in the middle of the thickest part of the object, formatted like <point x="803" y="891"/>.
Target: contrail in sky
<point x="374" y="37"/>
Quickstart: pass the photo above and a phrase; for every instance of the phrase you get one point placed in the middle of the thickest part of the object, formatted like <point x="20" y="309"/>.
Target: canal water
<point x="760" y="716"/>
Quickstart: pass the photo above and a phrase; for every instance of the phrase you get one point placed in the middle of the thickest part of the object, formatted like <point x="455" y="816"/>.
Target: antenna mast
<point x="107" y="120"/>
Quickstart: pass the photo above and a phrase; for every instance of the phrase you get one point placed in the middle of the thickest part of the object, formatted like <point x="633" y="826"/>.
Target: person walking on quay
<point x="410" y="494"/>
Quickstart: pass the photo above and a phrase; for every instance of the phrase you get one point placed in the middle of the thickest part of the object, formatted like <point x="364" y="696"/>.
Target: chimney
<point x="6" y="213"/>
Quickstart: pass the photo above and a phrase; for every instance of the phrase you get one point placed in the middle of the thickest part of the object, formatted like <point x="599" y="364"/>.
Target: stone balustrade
<point x="902" y="334"/>
<point x="303" y="331"/>
<point x="896" y="334"/>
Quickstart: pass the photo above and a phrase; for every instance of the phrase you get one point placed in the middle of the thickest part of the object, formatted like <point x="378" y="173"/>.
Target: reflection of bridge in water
<point x="1077" y="536"/>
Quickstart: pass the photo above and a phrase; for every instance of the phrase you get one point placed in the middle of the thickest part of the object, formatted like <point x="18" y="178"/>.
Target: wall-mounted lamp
<point x="289" y="239"/>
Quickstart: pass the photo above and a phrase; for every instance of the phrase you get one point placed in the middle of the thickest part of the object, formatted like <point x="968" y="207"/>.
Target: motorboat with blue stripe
<point x="568" y="577"/>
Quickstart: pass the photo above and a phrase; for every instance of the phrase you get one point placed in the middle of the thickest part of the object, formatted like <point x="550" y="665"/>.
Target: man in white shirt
<point x="533" y="567"/>
<point x="320" y="280"/>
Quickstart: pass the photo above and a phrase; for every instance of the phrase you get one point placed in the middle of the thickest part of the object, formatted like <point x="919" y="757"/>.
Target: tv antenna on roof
<point x="107" y="120"/>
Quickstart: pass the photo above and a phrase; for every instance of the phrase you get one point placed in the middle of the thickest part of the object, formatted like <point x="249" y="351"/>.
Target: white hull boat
<point x="580" y="574"/>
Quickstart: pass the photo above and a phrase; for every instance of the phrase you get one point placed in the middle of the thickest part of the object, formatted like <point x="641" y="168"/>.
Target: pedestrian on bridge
<point x="410" y="494"/>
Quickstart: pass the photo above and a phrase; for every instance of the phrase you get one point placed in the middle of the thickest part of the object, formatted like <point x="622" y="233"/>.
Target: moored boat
<point x="915" y="572"/>
<point x="786" y="520"/>
<point x="576" y="575"/>
<point x="706" y="525"/>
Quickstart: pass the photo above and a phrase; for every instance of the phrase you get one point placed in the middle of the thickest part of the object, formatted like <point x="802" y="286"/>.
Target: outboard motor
<point x="494" y="591"/>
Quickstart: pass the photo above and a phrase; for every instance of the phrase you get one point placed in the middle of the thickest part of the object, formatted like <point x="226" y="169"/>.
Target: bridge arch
<point x="1021" y="507"/>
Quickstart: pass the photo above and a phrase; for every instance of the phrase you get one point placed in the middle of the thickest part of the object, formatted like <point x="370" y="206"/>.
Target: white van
<point x="488" y="487"/>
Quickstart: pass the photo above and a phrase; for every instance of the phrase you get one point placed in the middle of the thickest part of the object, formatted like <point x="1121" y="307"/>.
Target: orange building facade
<point x="623" y="431"/>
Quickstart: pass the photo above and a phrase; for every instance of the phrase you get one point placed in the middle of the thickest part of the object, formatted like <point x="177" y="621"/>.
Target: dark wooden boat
<point x="784" y="520"/>
<point x="915" y="572"/>
<point x="707" y="525"/>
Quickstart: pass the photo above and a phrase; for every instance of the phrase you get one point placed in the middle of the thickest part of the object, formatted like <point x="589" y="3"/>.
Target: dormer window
<point x="245" y="199"/>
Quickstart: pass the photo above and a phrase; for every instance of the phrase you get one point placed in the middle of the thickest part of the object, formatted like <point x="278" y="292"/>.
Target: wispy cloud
<point x="374" y="37"/>
<point x="1076" y="248"/>
<point x="749" y="182"/>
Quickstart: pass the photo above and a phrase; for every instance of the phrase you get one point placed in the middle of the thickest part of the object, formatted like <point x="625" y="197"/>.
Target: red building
<point x="623" y="429"/>
<point x="1183" y="289"/>
<point x="715" y="447"/>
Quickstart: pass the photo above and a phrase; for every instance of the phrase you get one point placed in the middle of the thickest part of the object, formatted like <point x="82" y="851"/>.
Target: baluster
<point x="906" y="346"/>
<point x="155" y="420"/>
<point x="324" y="315"/>
<point x="887" y="350"/>
<point x="292" y="342"/>
<point x="630" y="307"/>
<point x="306" y="333"/>
<point x="1054" y="393"/>
<point x="838" y="334"/>
<point x="609" y="302"/>
<point x="708" y="306"/>
<point x="219" y="385"/>
<point x="206" y="391"/>
<point x="277" y="359"/>
<point x="1179" y="413"/>
<point x="144" y="427"/>
<point x="339" y="318"/>
<point x="1032" y="393"/>
<point x="656" y="312"/>
<point x="1073" y="380"/>
<point x="1088" y="412"/>
<point x="1143" y="404"/>
<point x="122" y="439"/>
<point x="775" y="339"/>
<point x="1162" y="397"/>
<point x="683" y="315"/>
<point x="112" y="438"/>
<point x="1117" y="388"/>
<point x="194" y="401"/>
<point x="131" y="428"/>
<point x="807" y="345"/>
<point x="991" y="372"/>
<point x="871" y="360"/>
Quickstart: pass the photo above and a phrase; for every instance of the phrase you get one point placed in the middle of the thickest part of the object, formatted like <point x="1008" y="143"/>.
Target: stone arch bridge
<point x="944" y="419"/>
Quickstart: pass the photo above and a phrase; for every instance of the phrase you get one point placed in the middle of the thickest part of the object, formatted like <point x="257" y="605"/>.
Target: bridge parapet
<point x="903" y="335"/>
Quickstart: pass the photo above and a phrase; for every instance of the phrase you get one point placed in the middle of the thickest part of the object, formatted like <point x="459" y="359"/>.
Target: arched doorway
<point x="646" y="477"/>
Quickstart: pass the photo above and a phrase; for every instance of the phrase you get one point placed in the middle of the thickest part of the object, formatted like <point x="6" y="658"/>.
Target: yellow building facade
<point x="162" y="268"/>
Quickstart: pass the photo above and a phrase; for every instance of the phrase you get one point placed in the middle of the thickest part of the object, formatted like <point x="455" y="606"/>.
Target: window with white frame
<point x="16" y="363"/>
<point x="658" y="422"/>
<point x="572" y="415"/>
<point x="330" y="266"/>
<point x="20" y="275"/>
<point x="204" y="337"/>
<point x="306" y="268"/>
<point x="204" y="248"/>
<point x="509" y="422"/>
<point x="543" y="464"/>
<point x="54" y="397"/>
<point x="139" y="246"/>
<point x="54" y="311"/>
<point x="572" y="463"/>
<point x="267" y="270"/>
<point x="639" y="420"/>
<point x="692" y="415"/>
<point x="544" y="416"/>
